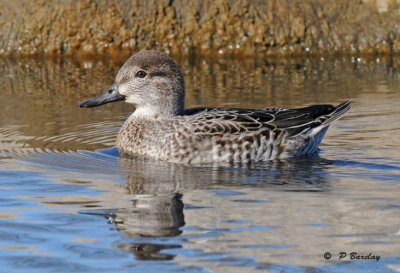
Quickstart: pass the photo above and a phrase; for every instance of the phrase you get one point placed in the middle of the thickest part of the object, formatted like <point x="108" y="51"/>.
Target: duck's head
<point x="151" y="81"/>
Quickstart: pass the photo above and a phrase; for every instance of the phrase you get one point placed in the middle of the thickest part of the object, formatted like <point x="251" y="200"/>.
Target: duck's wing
<point x="234" y="121"/>
<point x="311" y="119"/>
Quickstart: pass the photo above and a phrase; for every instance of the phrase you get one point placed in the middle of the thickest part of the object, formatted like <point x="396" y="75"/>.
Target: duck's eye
<point x="141" y="74"/>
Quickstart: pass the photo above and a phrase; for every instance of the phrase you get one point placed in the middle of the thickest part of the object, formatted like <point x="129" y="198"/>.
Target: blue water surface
<point x="70" y="203"/>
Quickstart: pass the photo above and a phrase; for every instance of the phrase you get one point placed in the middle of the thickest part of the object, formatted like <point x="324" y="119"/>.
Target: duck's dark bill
<point x="110" y="95"/>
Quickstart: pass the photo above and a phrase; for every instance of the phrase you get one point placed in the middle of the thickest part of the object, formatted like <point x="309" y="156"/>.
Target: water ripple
<point x="14" y="142"/>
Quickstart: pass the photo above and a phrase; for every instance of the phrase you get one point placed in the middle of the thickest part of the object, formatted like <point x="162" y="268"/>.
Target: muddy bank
<point x="270" y="27"/>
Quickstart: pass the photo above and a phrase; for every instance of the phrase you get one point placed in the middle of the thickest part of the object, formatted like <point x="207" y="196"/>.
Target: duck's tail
<point x="326" y="120"/>
<point x="339" y="111"/>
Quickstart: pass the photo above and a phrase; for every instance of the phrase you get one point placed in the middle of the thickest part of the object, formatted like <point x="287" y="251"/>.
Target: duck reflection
<point x="159" y="215"/>
<point x="156" y="189"/>
<point x="150" y="216"/>
<point x="148" y="251"/>
<point x="156" y="206"/>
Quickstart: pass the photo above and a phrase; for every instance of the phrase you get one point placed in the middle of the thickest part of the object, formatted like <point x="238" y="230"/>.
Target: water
<point x="69" y="203"/>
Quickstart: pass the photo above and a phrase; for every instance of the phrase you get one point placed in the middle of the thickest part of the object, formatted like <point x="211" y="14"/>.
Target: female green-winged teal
<point x="162" y="128"/>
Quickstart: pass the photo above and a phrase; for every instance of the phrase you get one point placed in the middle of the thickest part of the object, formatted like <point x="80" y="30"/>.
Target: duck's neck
<point x="144" y="112"/>
<point x="144" y="132"/>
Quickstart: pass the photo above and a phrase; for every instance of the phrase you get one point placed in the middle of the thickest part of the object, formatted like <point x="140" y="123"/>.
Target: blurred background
<point x="244" y="27"/>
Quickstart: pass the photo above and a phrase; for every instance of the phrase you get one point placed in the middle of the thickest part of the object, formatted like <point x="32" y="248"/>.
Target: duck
<point x="160" y="127"/>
